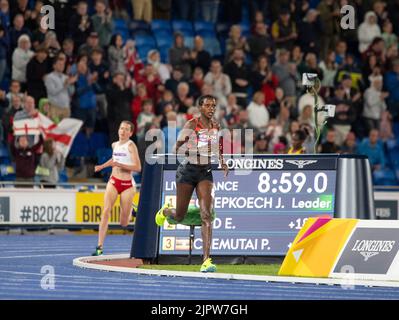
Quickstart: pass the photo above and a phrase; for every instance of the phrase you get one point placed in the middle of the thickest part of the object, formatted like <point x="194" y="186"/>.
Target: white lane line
<point x="83" y="262"/>
<point x="40" y="255"/>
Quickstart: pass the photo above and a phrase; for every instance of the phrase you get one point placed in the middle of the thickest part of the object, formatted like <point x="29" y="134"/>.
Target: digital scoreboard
<point x="260" y="206"/>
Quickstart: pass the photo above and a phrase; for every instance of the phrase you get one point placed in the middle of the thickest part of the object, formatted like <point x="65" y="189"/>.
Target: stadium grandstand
<point x="148" y="61"/>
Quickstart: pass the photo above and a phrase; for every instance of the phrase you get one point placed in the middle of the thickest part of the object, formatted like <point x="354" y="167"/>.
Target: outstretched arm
<point x="109" y="163"/>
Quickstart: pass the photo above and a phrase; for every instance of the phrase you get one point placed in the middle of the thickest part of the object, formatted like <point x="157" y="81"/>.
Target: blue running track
<point x="23" y="256"/>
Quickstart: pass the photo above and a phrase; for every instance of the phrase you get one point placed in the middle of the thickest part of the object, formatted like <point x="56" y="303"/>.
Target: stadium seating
<point x="120" y="24"/>
<point x="5" y="157"/>
<point x="212" y="45"/>
<point x="98" y="140"/>
<point x="143" y="51"/>
<point x="203" y="26"/>
<point x="140" y="32"/>
<point x="139" y="25"/>
<point x="80" y="146"/>
<point x="245" y="29"/>
<point x="7" y="172"/>
<point x="163" y="38"/>
<point x="164" y="52"/>
<point x="161" y="25"/>
<point x="223" y="29"/>
<point x="183" y="26"/>
<point x="63" y="176"/>
<point x="142" y="40"/>
<point x="103" y="155"/>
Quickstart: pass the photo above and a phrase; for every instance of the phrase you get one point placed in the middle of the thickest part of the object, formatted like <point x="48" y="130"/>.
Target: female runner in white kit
<point x="125" y="160"/>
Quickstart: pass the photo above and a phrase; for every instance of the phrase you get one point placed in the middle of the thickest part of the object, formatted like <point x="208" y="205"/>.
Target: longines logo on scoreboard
<point x="248" y="163"/>
<point x="371" y="250"/>
<point x="278" y="164"/>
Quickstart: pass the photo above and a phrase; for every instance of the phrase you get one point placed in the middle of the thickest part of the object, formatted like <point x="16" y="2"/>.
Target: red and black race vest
<point x="202" y="137"/>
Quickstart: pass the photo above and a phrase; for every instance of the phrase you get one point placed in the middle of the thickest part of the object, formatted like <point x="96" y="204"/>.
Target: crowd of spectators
<point x="86" y="69"/>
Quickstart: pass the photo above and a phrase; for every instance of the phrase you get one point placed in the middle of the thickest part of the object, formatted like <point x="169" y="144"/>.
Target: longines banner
<point x="345" y="248"/>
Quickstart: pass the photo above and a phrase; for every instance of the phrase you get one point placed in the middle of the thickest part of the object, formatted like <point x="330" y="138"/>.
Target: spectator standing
<point x="284" y="30"/>
<point x="5" y="14"/>
<point x="234" y="41"/>
<point x="345" y="115"/>
<point x="329" y="145"/>
<point x="137" y="101"/>
<point x="116" y="55"/>
<point x="219" y="81"/>
<point x="392" y="85"/>
<point x="28" y="112"/>
<point x="177" y="77"/>
<point x="4" y="47"/>
<point x="154" y="58"/>
<point x="90" y="44"/>
<point x="145" y="116"/>
<point x="368" y="30"/>
<point x="36" y="70"/>
<point x="238" y="72"/>
<point x="103" y="23"/>
<point x="329" y="69"/>
<point x="257" y="113"/>
<point x="25" y="158"/>
<point x="330" y="29"/>
<point x="98" y="66"/>
<point x="197" y="82"/>
<point x="63" y="11"/>
<point x="179" y="55"/>
<point x="17" y="31"/>
<point x="85" y="97"/>
<point x="374" y="104"/>
<point x="309" y="31"/>
<point x="142" y="10"/>
<point x="170" y="131"/>
<point x="285" y="73"/>
<point x="80" y="24"/>
<point x="151" y="80"/>
<point x="52" y="45"/>
<point x="59" y="90"/>
<point x="373" y="149"/>
<point x="260" y="43"/>
<point x="183" y="98"/>
<point x="200" y="57"/>
<point x="209" y="10"/>
<point x="52" y="160"/>
<point x="340" y="52"/>
<point x="388" y="36"/>
<point x="350" y="145"/>
<point x="68" y="50"/>
<point x="119" y="96"/>
<point x="20" y="59"/>
<point x="8" y="117"/>
<point x="133" y="64"/>
<point x="262" y="78"/>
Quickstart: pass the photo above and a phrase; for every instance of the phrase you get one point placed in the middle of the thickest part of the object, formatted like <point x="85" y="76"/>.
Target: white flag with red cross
<point x="62" y="133"/>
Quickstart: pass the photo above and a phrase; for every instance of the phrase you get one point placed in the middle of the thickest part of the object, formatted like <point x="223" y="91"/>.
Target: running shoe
<point x="98" y="252"/>
<point x="208" y="266"/>
<point x="160" y="217"/>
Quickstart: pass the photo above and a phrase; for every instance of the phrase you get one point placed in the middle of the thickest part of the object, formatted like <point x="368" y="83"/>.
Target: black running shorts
<point x="193" y="173"/>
